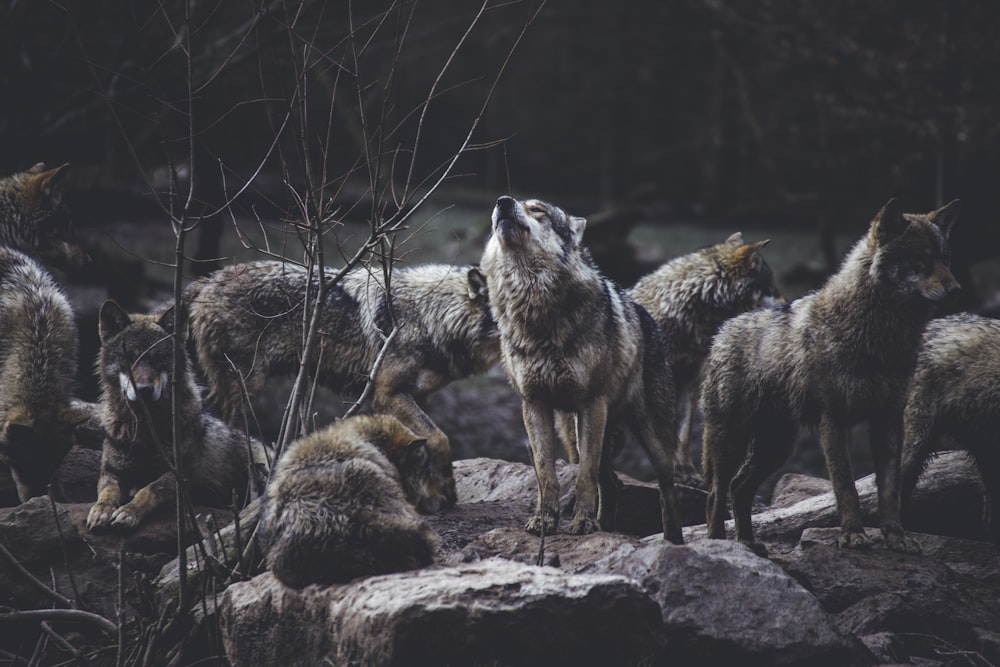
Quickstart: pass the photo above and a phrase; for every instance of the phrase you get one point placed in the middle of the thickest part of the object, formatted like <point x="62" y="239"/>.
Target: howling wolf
<point x="836" y="357"/>
<point x="690" y="297"/>
<point x="249" y="316"/>
<point x="577" y="349"/>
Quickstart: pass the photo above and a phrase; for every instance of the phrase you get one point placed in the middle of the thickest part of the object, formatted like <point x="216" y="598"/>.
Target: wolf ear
<point x="166" y="319"/>
<point x="46" y="183"/>
<point x="112" y="319"/>
<point x="576" y="227"/>
<point x="477" y="284"/>
<point x="889" y="222"/>
<point x="735" y="239"/>
<point x="747" y="253"/>
<point x="945" y="216"/>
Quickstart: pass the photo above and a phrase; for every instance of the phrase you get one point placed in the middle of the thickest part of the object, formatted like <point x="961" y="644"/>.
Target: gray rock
<point x="721" y="603"/>
<point x="38" y="530"/>
<point x="494" y="611"/>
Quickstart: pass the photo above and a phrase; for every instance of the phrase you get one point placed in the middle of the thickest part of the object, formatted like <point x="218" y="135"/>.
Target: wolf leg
<point x="539" y="422"/>
<point x="685" y="471"/>
<point x="109" y="497"/>
<point x="660" y="449"/>
<point x="886" y="443"/>
<point x="724" y="448"/>
<point x="147" y="499"/>
<point x="773" y="440"/>
<point x="566" y="428"/>
<point x="591" y="421"/>
<point x="920" y="440"/>
<point x="833" y="438"/>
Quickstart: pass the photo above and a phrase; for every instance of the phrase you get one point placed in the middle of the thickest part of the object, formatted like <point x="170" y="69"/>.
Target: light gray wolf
<point x="578" y="350"/>
<point x="38" y="364"/>
<point x="135" y="366"/>
<point x="842" y="355"/>
<point x="251" y="316"/>
<point x="34" y="218"/>
<point x="336" y="508"/>
<point x="690" y="297"/>
<point x="954" y="403"/>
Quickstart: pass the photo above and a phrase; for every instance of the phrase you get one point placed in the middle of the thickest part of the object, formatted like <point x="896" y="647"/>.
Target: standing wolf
<point x="34" y="219"/>
<point x="690" y="297"/>
<point x="335" y="509"/>
<point x="836" y="357"/>
<point x="955" y="402"/>
<point x="135" y="368"/>
<point x="574" y="344"/>
<point x="38" y="362"/>
<point x="250" y="316"/>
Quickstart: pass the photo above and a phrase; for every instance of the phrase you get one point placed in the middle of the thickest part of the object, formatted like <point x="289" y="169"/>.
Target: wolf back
<point x="38" y="362"/>
<point x="335" y="509"/>
<point x="839" y="356"/>
<point x="135" y="367"/>
<point x="578" y="350"/>
<point x="251" y="315"/>
<point x="954" y="402"/>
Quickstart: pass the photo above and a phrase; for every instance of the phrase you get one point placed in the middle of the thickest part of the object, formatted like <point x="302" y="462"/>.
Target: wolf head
<point x="746" y="264"/>
<point x="911" y="250"/>
<point x="136" y="352"/>
<point x="533" y="228"/>
<point x="35" y="220"/>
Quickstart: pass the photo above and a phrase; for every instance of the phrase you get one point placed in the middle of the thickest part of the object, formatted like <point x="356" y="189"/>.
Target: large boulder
<point x="493" y="611"/>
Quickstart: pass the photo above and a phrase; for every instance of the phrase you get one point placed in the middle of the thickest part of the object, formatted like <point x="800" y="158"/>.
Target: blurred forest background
<point x="723" y="114"/>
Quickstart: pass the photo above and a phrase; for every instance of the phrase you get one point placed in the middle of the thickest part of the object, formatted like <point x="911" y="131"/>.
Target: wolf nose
<point x="505" y="204"/>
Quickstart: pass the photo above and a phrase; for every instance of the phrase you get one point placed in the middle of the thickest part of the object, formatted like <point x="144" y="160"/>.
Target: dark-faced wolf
<point x="35" y="220"/>
<point x="249" y="316"/>
<point x="954" y="403"/>
<point x="690" y="297"/>
<point x="839" y="356"/>
<point x="577" y="349"/>
<point x="38" y="363"/>
<point x="135" y="368"/>
<point x="335" y="508"/>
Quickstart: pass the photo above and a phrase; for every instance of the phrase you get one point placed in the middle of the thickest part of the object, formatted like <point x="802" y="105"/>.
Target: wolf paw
<point x="126" y="516"/>
<point x="902" y="543"/>
<point x="583" y="525"/>
<point x="100" y="516"/>
<point x="535" y="524"/>
<point x="854" y="541"/>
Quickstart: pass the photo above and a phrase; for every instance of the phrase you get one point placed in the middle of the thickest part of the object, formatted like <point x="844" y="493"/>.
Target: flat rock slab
<point x="493" y="611"/>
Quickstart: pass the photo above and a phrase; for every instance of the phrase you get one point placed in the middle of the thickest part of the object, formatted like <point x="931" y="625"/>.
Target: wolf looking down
<point x="577" y="349"/>
<point x="839" y="356"/>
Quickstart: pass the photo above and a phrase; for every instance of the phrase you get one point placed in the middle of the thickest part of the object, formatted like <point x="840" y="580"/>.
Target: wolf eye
<point x="534" y="208"/>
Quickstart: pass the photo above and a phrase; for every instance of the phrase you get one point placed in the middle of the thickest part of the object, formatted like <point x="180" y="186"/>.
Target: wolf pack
<point x="596" y="365"/>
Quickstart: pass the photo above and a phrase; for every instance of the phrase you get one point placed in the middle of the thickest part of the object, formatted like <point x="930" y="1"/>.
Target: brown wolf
<point x="836" y="357"/>
<point x="335" y="509"/>
<point x="690" y="297"/>
<point x="38" y="362"/>
<point x="575" y="344"/>
<point x="135" y="366"/>
<point x="954" y="402"/>
<point x="250" y="315"/>
<point x="35" y="220"/>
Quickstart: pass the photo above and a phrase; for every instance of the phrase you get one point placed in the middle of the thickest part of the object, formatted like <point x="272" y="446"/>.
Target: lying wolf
<point x="135" y="367"/>
<point x="839" y="356"/>
<point x="249" y="316"/>
<point x="690" y="297"/>
<point x="577" y="349"/>
<point x="954" y="402"/>
<point x="336" y="509"/>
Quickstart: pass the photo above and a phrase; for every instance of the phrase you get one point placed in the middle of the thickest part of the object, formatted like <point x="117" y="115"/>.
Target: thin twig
<point x="32" y="579"/>
<point x="60" y="615"/>
<point x="62" y="543"/>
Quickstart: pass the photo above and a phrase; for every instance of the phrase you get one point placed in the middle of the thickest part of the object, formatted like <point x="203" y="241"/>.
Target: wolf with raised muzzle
<point x="578" y="350"/>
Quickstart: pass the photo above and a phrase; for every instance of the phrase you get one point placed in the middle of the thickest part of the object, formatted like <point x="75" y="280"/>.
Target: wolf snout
<point x="505" y="204"/>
